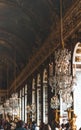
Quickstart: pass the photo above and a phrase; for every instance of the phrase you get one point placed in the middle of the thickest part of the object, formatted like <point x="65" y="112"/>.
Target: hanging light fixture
<point x="1" y="109"/>
<point x="14" y="100"/>
<point x="29" y="108"/>
<point x="54" y="100"/>
<point x="6" y="104"/>
<point x="62" y="80"/>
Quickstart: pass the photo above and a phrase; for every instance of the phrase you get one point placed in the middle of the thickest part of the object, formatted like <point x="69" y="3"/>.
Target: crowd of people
<point x="21" y="125"/>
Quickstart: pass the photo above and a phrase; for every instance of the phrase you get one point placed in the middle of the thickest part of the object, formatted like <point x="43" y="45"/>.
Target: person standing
<point x="20" y="125"/>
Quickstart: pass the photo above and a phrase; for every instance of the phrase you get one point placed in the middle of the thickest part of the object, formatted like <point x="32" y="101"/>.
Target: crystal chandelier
<point x="1" y="108"/>
<point x="14" y="100"/>
<point x="62" y="79"/>
<point x="7" y="104"/>
<point x="6" y="107"/>
<point x="67" y="98"/>
<point x="54" y="102"/>
<point x="29" y="109"/>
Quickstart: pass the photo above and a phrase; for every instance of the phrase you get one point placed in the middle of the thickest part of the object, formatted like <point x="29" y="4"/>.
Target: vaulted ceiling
<point x="24" y="27"/>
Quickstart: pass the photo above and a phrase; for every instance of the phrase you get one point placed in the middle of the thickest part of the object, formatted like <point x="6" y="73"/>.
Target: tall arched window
<point x="45" y="97"/>
<point x="33" y="100"/>
<point x="22" y="104"/>
<point x="77" y="88"/>
<point x="25" y="102"/>
<point x="38" y="99"/>
<point x="22" y="107"/>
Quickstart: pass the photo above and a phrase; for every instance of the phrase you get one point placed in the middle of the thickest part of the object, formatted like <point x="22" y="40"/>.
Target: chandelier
<point x="1" y="109"/>
<point x="54" y="102"/>
<point x="6" y="108"/>
<point x="61" y="82"/>
<point x="62" y="79"/>
<point x="14" y="100"/>
<point x="31" y="108"/>
<point x="67" y="98"/>
<point x="11" y="104"/>
<point x="7" y="104"/>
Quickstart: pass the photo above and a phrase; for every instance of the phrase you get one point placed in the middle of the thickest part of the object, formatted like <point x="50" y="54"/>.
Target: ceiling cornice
<point x="3" y="92"/>
<point x="71" y="22"/>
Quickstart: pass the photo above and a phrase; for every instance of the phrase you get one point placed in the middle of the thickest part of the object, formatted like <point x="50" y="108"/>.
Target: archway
<point x="77" y="88"/>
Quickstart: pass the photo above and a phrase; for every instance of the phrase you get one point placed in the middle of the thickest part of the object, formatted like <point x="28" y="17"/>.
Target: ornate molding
<point x="71" y="22"/>
<point x="3" y="92"/>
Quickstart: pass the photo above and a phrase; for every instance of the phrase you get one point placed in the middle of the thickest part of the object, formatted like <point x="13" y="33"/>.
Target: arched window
<point x="77" y="58"/>
<point x="38" y="99"/>
<point x="77" y="87"/>
<point x="25" y="102"/>
<point x="45" y="97"/>
<point x="22" y="103"/>
<point x="33" y="100"/>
